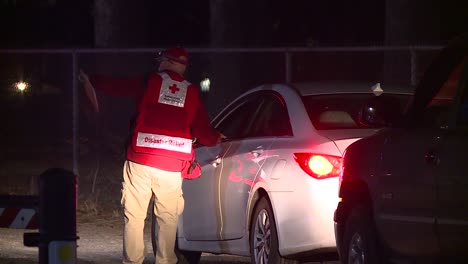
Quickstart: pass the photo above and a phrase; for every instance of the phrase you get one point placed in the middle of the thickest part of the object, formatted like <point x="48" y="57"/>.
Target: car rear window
<point x="342" y="111"/>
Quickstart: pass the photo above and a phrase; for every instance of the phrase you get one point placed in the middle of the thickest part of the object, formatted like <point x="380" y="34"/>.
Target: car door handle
<point x="257" y="152"/>
<point x="431" y="158"/>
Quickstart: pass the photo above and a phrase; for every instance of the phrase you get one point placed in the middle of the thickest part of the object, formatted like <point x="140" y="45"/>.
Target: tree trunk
<point x="415" y="22"/>
<point x="117" y="24"/>
<point x="412" y="22"/>
<point x="225" y="28"/>
<point x="120" y="23"/>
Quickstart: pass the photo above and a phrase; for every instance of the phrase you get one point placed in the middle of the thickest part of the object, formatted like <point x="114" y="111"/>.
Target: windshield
<point x="347" y="111"/>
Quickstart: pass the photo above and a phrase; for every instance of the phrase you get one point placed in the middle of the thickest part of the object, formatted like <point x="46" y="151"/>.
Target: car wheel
<point x="360" y="239"/>
<point x="264" y="238"/>
<point x="183" y="256"/>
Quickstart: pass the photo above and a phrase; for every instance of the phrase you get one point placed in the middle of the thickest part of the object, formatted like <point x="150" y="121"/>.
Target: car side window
<point x="273" y="118"/>
<point x="236" y="123"/>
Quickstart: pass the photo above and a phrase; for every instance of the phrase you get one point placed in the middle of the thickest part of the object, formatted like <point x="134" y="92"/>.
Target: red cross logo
<point x="174" y="88"/>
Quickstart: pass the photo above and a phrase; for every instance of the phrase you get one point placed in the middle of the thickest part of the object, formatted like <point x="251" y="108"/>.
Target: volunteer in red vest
<point x="170" y="114"/>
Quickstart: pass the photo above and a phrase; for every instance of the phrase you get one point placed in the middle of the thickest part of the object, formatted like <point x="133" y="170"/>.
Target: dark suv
<point x="404" y="191"/>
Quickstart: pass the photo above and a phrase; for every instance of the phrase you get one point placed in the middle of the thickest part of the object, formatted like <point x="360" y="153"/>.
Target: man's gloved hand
<point x="222" y="137"/>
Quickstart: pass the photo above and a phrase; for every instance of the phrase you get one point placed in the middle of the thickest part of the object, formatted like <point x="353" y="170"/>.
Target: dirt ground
<point x="100" y="241"/>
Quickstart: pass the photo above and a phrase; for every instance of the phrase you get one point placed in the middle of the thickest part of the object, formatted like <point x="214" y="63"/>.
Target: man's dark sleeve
<point x="201" y="127"/>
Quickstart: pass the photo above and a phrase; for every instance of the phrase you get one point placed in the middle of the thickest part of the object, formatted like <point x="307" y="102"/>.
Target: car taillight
<point x="319" y="166"/>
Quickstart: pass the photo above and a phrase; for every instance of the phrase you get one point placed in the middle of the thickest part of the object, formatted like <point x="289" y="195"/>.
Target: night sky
<point x="69" y="23"/>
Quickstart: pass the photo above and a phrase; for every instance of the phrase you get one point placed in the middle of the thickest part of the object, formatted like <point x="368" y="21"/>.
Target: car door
<point x="452" y="177"/>
<point x="201" y="217"/>
<point x="406" y="216"/>
<point x="411" y="160"/>
<point x="244" y="160"/>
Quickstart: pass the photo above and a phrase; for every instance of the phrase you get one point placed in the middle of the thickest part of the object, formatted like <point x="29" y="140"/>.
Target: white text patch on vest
<point x="164" y="142"/>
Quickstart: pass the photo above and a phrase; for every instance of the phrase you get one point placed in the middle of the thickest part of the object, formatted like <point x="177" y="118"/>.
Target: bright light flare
<point x="21" y="86"/>
<point x="205" y="85"/>
<point x="320" y="165"/>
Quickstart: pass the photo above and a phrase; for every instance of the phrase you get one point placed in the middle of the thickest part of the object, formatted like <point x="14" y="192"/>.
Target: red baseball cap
<point x="177" y="54"/>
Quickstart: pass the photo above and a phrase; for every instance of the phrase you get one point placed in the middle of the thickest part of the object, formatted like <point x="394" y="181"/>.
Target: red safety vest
<point x="162" y="130"/>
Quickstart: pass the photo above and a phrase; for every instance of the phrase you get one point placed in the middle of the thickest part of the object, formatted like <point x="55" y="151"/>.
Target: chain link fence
<point x="51" y="123"/>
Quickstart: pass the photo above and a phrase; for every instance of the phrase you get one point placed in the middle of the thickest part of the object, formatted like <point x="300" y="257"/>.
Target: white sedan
<point x="270" y="190"/>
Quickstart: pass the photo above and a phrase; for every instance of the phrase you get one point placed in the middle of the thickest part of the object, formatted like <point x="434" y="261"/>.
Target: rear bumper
<point x="304" y="217"/>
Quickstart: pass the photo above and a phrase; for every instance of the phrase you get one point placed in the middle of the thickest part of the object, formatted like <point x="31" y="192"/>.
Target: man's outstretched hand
<point x="83" y="77"/>
<point x="89" y="90"/>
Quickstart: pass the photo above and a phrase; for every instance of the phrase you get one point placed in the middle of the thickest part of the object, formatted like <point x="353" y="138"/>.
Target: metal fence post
<point x="75" y="111"/>
<point x="413" y="66"/>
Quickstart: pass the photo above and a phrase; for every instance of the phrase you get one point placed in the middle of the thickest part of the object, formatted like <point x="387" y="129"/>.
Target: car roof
<point x="340" y="87"/>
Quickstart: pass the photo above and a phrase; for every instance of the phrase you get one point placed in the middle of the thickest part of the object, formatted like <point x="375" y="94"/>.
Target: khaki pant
<point x="140" y="183"/>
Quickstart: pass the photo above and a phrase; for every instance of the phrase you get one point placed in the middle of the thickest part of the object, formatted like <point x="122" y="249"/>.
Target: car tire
<point x="264" y="237"/>
<point x="360" y="243"/>
<point x="183" y="256"/>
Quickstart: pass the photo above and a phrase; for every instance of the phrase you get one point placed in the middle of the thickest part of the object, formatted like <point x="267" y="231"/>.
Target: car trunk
<point x="344" y="138"/>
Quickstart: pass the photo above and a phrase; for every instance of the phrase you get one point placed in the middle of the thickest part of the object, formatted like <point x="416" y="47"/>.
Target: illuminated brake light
<point x="319" y="166"/>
